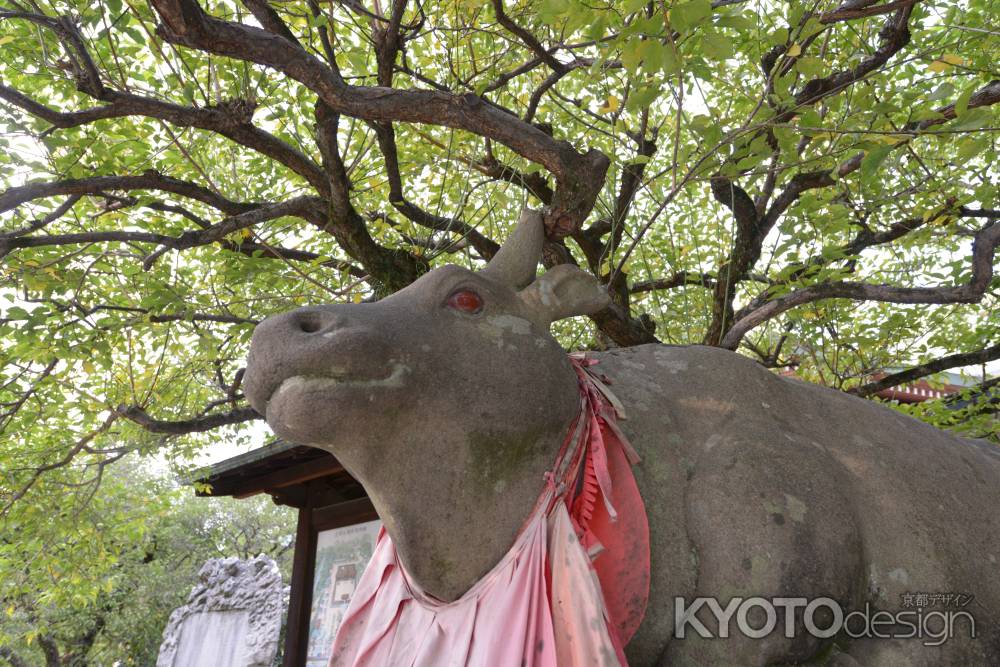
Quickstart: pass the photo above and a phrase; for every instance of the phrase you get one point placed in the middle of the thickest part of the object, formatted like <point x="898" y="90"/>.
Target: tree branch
<point x="679" y="279"/>
<point x="525" y="36"/>
<point x="50" y="650"/>
<point x="148" y="180"/>
<point x="229" y="119"/>
<point x="85" y="72"/>
<point x="393" y="268"/>
<point x="533" y="182"/>
<point x="983" y="248"/>
<point x="615" y="322"/>
<point x="930" y="368"/>
<point x="83" y="311"/>
<point x="217" y="232"/>
<point x="850" y="10"/>
<point x="13" y="658"/>
<point x="182" y="427"/>
<point x="895" y="36"/>
<point x="579" y="177"/>
<point x="745" y="251"/>
<point x="985" y="96"/>
<point x="866" y="238"/>
<point x="386" y="136"/>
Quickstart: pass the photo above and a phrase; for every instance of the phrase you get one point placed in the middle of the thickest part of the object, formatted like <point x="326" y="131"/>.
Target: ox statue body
<point x="449" y="400"/>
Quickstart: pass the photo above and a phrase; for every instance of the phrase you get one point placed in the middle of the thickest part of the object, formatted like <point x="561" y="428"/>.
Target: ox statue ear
<point x="516" y="261"/>
<point x="564" y="291"/>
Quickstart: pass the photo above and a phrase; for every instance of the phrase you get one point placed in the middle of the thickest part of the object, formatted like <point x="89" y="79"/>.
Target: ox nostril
<point x="309" y="321"/>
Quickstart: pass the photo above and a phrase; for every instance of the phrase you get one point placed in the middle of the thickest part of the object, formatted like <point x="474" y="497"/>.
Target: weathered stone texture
<point x="232" y="617"/>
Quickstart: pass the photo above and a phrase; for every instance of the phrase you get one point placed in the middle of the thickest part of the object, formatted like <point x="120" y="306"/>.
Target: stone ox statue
<point x="449" y="399"/>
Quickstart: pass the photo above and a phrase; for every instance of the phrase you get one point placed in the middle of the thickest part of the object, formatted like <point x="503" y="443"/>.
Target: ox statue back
<point x="449" y="400"/>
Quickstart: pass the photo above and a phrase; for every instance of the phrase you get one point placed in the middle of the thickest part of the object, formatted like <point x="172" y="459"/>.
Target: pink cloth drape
<point x="542" y="605"/>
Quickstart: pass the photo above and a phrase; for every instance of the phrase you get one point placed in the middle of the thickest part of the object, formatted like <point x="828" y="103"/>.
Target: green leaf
<point x="737" y="21"/>
<point x="970" y="147"/>
<point x="926" y="114"/>
<point x="944" y="91"/>
<point x="650" y="26"/>
<point x="706" y="127"/>
<point x="787" y="138"/>
<point x="653" y="54"/>
<point x="811" y="66"/>
<point x="778" y="37"/>
<point x="717" y="46"/>
<point x="630" y="6"/>
<point x="631" y="56"/>
<point x="872" y="160"/>
<point x="670" y="61"/>
<point x="810" y="118"/>
<point x="642" y="98"/>
<point x="550" y="11"/>
<point x="751" y="161"/>
<point x="962" y="103"/>
<point x="973" y="119"/>
<point x="687" y="15"/>
<point x="598" y="27"/>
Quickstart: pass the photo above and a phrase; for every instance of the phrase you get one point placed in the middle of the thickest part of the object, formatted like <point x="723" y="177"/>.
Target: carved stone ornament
<point x="232" y="617"/>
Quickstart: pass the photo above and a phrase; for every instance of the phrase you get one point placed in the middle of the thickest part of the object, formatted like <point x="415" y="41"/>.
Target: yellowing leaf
<point x="893" y="139"/>
<point x="610" y="105"/>
<point x="356" y="298"/>
<point x="6" y="39"/>
<point x="246" y="233"/>
<point x="794" y="50"/>
<point x="946" y="62"/>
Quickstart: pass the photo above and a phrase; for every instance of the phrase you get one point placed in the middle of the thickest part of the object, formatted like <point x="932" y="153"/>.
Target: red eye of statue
<point x="466" y="300"/>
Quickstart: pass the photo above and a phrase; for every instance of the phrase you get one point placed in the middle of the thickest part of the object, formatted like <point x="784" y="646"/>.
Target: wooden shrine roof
<point x="289" y="473"/>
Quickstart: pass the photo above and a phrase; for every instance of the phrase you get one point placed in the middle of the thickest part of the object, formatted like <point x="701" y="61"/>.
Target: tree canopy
<point x="94" y="583"/>
<point x="813" y="184"/>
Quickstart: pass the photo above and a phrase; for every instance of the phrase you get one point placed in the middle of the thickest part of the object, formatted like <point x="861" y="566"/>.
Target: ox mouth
<point x="311" y="383"/>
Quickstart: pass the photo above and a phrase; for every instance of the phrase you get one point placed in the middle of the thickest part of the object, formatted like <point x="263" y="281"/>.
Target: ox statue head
<point x="454" y="345"/>
<point x="448" y="393"/>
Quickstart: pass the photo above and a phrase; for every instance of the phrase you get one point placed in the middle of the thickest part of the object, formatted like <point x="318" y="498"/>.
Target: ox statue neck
<point x="453" y="500"/>
<point x="537" y="605"/>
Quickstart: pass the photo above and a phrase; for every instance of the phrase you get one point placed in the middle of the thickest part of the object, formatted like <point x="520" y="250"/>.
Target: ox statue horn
<point x="516" y="261"/>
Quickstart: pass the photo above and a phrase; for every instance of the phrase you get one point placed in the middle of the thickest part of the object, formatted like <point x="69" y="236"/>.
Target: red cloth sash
<point x="606" y="507"/>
